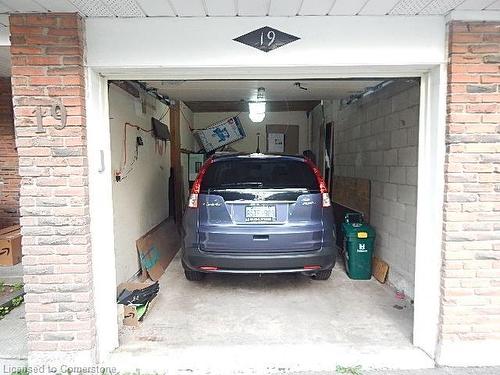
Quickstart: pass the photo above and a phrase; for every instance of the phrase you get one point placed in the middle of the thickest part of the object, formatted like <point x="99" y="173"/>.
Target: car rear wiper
<point x="250" y="183"/>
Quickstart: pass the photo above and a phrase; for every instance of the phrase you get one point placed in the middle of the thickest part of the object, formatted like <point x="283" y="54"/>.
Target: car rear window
<point x="259" y="174"/>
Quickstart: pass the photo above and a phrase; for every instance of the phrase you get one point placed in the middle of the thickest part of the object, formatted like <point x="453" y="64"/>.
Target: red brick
<point x="39" y="80"/>
<point x="54" y="170"/>
<point x="470" y="180"/>
<point x="43" y="60"/>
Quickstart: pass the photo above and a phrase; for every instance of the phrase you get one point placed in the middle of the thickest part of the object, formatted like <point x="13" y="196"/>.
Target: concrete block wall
<point x="9" y="176"/>
<point x="47" y="68"/>
<point x="376" y="138"/>
<point x="470" y="283"/>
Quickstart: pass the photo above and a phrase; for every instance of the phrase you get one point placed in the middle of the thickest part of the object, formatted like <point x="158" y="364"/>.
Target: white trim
<point x="4" y="31"/>
<point x="275" y="72"/>
<point x="469" y="353"/>
<point x="431" y="156"/>
<point x="101" y="212"/>
<point x="430" y="184"/>
<point x="471" y="15"/>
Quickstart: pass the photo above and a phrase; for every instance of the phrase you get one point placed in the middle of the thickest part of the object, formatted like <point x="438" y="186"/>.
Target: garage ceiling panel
<point x="124" y="8"/>
<point x="440" y="6"/>
<point x="347" y="7"/>
<point x="378" y="7"/>
<point x="24" y="6"/>
<point x="494" y="6"/>
<point x="221" y="7"/>
<point x="92" y="8"/>
<point x="409" y="7"/>
<point x="159" y="8"/>
<point x="253" y="8"/>
<point x="58" y="5"/>
<point x="184" y="8"/>
<point x="284" y="7"/>
<point x="315" y="7"/>
<point x="475" y="4"/>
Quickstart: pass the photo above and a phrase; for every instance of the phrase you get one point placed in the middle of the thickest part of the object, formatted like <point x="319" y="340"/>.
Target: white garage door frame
<point x="430" y="155"/>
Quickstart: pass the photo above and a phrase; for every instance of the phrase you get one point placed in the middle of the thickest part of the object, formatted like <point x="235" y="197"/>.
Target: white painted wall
<point x="249" y="143"/>
<point x="141" y="199"/>
<point x="208" y="42"/>
<point x="376" y="138"/>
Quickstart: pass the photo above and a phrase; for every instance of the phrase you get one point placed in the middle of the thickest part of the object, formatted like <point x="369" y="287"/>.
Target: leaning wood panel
<point x="353" y="193"/>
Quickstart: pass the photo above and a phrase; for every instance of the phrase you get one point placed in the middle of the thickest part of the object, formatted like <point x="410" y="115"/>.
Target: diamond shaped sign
<point x="266" y="39"/>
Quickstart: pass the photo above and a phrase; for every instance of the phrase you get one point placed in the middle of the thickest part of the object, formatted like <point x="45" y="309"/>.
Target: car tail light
<point x="321" y="182"/>
<point x="208" y="268"/>
<point x="195" y="190"/>
<point x="312" y="267"/>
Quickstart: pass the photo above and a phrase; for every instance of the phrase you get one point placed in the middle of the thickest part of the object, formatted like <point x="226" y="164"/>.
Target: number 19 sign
<point x="266" y="39"/>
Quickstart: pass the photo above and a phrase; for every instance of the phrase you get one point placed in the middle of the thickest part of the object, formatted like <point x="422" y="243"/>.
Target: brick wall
<point x="471" y="245"/>
<point x="376" y="138"/>
<point x="47" y="67"/>
<point x="9" y="191"/>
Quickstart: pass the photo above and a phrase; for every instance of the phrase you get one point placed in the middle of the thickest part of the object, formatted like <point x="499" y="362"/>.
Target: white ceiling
<point x="221" y="8"/>
<point x="247" y="90"/>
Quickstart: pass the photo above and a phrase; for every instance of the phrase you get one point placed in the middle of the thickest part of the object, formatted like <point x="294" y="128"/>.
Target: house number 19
<point x="268" y="37"/>
<point x="57" y="111"/>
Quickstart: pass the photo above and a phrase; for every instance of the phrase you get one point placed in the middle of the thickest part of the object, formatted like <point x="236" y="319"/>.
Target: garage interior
<point x="364" y="135"/>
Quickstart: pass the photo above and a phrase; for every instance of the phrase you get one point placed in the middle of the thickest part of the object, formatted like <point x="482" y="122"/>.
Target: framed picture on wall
<point x="275" y="143"/>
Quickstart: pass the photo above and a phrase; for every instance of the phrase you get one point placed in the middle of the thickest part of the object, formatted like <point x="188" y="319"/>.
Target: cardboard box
<point x="130" y="317"/>
<point x="10" y="246"/>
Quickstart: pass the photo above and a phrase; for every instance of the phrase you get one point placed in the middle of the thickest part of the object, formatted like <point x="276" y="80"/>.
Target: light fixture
<point x="257" y="109"/>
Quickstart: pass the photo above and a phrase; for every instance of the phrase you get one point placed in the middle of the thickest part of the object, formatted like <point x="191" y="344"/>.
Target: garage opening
<point x="362" y="135"/>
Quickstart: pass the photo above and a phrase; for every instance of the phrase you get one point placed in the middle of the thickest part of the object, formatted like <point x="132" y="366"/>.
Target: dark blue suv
<point x="256" y="213"/>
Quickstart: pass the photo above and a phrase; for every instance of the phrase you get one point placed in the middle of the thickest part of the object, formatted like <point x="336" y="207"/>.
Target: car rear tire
<point x="322" y="275"/>
<point x="194" y="275"/>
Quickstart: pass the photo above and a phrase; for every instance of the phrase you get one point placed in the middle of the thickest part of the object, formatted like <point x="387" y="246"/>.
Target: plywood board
<point x="353" y="193"/>
<point x="380" y="269"/>
<point x="157" y="248"/>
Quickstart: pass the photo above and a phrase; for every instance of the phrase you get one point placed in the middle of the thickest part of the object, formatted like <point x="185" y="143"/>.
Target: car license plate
<point x="260" y="214"/>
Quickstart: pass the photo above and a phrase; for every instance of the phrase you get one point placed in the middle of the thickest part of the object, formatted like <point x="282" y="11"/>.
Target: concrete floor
<point x="14" y="351"/>
<point x="270" y="324"/>
<point x="11" y="274"/>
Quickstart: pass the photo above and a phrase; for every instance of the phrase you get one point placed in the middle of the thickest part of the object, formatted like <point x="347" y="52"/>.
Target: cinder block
<point x="406" y="232"/>
<point x="391" y="158"/>
<point x="391" y="192"/>
<point x="407" y="194"/>
<point x="377" y="188"/>
<point x="399" y="138"/>
<point x="411" y="214"/>
<point x="383" y="174"/>
<point x="397" y="175"/>
<point x="390" y="224"/>
<point x="412" y="176"/>
<point x="400" y="101"/>
<point x="407" y="156"/>
<point x="413" y="136"/>
<point x="397" y="210"/>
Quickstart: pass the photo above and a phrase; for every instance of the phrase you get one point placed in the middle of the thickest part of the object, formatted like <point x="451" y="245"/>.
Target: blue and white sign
<point x="220" y="134"/>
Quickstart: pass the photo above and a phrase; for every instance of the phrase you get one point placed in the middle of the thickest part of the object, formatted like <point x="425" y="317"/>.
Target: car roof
<point x="243" y="155"/>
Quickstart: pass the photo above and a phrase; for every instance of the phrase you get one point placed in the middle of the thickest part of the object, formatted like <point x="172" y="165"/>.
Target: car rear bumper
<point x="324" y="259"/>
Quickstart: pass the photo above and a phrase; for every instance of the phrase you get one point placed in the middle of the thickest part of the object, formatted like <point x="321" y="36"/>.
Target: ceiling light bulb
<point x="257" y="107"/>
<point x="257" y="117"/>
<point x="257" y="111"/>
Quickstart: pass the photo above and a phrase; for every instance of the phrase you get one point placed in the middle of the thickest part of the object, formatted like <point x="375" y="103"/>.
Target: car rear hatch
<point x="260" y="204"/>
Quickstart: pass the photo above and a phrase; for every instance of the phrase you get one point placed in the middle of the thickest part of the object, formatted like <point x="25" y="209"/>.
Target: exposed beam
<point x="240" y="106"/>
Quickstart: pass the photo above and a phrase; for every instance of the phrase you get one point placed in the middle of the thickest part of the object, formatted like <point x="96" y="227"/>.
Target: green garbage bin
<point x="359" y="239"/>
